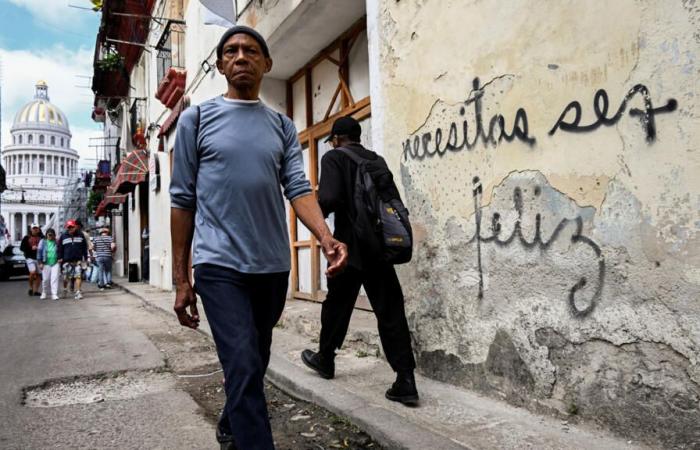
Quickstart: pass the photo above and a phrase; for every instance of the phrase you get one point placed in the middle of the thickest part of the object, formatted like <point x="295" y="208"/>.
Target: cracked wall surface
<point x="548" y="153"/>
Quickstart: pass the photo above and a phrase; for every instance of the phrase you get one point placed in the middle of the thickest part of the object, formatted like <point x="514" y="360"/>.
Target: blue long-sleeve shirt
<point x="231" y="173"/>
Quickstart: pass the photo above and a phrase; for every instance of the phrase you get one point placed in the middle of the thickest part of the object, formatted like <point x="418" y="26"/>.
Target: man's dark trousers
<point x="242" y="310"/>
<point x="385" y="296"/>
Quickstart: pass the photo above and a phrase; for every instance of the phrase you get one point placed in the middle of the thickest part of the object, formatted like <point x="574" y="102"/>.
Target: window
<point x="53" y="140"/>
<point x="41" y="139"/>
<point x="20" y="138"/>
<point x="171" y="48"/>
<point x="30" y="138"/>
<point x="61" y="142"/>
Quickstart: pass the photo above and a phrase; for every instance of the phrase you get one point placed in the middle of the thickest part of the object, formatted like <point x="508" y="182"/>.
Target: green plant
<point x="94" y="199"/>
<point x="110" y="62"/>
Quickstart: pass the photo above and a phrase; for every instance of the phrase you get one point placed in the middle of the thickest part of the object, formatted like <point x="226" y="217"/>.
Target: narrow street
<point x="107" y="372"/>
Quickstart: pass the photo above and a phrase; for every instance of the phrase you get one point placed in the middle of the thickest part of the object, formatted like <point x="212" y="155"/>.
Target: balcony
<point x="171" y="63"/>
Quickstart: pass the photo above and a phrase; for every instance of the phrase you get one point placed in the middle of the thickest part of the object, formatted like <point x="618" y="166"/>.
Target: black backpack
<point x="382" y="223"/>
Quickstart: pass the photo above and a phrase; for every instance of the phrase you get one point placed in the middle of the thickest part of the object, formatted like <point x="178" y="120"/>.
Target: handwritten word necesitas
<point x="419" y="147"/>
<point x="430" y="144"/>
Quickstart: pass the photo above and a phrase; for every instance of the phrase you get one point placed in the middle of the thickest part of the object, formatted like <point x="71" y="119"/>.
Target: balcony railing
<point x="171" y="48"/>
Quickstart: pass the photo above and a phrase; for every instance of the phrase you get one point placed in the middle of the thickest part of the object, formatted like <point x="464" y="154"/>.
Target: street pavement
<point x="67" y="351"/>
<point x="448" y="417"/>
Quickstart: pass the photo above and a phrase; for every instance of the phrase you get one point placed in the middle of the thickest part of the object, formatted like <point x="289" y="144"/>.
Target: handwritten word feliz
<point x="435" y="143"/>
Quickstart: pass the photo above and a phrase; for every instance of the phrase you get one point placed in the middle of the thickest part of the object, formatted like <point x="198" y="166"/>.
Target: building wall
<point x="160" y="251"/>
<point x="119" y="267"/>
<point x="557" y="260"/>
<point x="134" y="213"/>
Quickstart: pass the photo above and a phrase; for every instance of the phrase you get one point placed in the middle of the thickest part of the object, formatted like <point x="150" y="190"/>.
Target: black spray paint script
<point x="456" y="138"/>
<point x="601" y="105"/>
<point x="578" y="307"/>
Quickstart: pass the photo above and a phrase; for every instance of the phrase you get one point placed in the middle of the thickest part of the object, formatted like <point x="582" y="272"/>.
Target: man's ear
<point x="268" y="64"/>
<point x="219" y="66"/>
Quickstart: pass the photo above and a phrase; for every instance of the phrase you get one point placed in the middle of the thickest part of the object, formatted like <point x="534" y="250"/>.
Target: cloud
<point x="55" y="12"/>
<point x="58" y="66"/>
<point x="81" y="142"/>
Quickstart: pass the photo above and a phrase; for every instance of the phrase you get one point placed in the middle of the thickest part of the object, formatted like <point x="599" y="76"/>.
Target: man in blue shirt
<point x="232" y="154"/>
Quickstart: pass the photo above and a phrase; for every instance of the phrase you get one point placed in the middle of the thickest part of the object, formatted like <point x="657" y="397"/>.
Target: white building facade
<point x="556" y="260"/>
<point x="40" y="166"/>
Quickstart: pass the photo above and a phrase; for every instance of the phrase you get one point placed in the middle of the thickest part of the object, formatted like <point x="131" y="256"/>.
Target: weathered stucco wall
<point x="557" y="259"/>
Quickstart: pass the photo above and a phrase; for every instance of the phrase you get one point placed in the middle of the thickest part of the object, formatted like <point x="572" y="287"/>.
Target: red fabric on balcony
<point x="171" y="121"/>
<point x="172" y="87"/>
<point x="132" y="171"/>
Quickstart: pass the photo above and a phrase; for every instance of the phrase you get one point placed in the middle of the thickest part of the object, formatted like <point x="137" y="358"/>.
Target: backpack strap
<point x="196" y="126"/>
<point x="352" y="155"/>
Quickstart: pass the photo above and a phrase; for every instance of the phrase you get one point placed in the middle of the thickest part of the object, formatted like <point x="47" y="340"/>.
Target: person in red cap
<point x="72" y="252"/>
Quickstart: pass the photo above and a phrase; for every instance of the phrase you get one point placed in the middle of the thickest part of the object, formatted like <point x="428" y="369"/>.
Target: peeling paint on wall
<point x="556" y="210"/>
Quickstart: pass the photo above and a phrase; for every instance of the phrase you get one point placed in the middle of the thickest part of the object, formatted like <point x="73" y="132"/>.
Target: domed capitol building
<point x="41" y="166"/>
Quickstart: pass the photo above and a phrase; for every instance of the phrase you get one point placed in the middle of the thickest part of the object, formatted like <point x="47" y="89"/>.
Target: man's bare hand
<point x="337" y="255"/>
<point x="184" y="298"/>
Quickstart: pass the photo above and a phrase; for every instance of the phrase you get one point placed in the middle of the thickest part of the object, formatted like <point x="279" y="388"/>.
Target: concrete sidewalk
<point x="448" y="417"/>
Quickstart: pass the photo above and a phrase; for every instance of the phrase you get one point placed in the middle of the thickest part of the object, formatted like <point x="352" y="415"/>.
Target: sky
<point x="48" y="40"/>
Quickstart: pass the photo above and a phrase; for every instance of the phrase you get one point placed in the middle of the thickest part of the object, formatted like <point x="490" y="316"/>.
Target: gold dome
<point x="40" y="111"/>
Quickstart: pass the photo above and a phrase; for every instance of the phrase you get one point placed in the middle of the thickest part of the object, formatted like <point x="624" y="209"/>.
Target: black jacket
<point x="335" y="195"/>
<point x="72" y="248"/>
<point x="26" y="247"/>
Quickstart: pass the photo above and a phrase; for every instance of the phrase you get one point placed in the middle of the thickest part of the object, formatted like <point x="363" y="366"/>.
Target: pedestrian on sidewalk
<point x="365" y="268"/>
<point x="231" y="155"/>
<point x="72" y="254"/>
<point x="47" y="255"/>
<point x="103" y="248"/>
<point x="90" y="246"/>
<point x="29" y="246"/>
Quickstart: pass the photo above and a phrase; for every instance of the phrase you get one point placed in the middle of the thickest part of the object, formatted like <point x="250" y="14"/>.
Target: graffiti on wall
<point x="579" y="307"/>
<point x="457" y="138"/>
<point x="601" y="106"/>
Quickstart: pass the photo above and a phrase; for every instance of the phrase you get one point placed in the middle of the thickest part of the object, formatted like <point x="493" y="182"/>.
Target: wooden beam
<point x="353" y="31"/>
<point x="290" y="100"/>
<point x="308" y="91"/>
<point x="330" y="106"/>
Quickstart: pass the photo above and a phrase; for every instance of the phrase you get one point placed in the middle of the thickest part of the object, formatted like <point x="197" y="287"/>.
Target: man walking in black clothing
<point x="335" y="195"/>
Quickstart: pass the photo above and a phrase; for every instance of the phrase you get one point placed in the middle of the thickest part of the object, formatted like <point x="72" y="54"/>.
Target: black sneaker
<point x="404" y="390"/>
<point x="323" y="365"/>
<point x="225" y="440"/>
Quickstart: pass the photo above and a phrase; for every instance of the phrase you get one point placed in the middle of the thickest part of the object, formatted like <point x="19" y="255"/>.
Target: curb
<point x="386" y="427"/>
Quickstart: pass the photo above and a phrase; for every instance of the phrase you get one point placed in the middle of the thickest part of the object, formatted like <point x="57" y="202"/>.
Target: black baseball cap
<point x="245" y="30"/>
<point x="345" y="126"/>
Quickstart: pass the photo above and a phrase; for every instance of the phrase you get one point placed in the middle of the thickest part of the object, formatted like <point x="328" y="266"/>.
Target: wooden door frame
<point x="308" y="138"/>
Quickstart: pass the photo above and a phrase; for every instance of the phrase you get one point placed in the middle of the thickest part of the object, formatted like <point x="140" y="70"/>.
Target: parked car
<point x="12" y="263"/>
